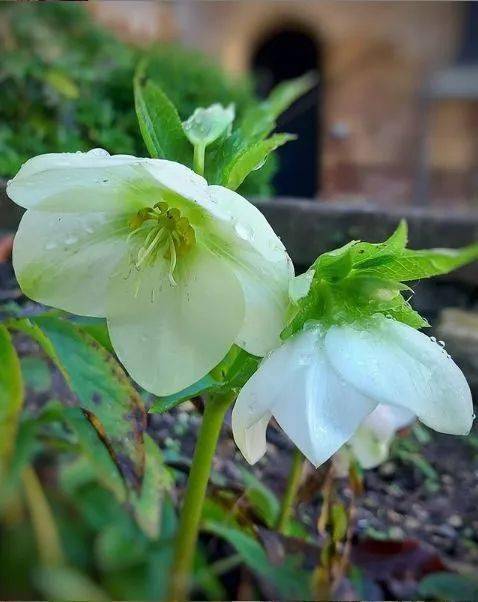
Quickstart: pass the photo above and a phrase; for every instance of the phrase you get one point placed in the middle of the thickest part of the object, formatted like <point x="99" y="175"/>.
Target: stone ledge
<point x="309" y="228"/>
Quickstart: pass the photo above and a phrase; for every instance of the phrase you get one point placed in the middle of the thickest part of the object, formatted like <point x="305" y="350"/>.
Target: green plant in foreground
<point x="194" y="286"/>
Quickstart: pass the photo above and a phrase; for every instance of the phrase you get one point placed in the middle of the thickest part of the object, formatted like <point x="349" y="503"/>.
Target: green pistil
<point x="164" y="233"/>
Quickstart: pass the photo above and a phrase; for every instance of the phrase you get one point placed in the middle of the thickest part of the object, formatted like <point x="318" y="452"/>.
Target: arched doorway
<point x="285" y="54"/>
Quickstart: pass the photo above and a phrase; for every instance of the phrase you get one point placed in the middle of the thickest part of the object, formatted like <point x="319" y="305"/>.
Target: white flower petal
<point x="168" y="337"/>
<point x="97" y="181"/>
<point x="81" y="182"/>
<point x="248" y="222"/>
<point x="371" y="442"/>
<point x="262" y="266"/>
<point x="311" y="404"/>
<point x="393" y="363"/>
<point x="65" y="260"/>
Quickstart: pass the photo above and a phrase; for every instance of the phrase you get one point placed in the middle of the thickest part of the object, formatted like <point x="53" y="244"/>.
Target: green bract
<point x="362" y="279"/>
<point x="181" y="270"/>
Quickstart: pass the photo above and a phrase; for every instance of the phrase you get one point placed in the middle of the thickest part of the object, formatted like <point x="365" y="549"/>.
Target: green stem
<point x="290" y="493"/>
<point x="46" y="533"/>
<point x="198" y="160"/>
<point x="191" y="511"/>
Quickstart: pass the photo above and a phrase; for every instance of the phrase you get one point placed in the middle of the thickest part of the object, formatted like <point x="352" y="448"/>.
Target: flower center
<point x="161" y="233"/>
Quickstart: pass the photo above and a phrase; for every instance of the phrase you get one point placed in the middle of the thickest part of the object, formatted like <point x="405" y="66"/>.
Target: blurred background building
<point x="395" y="114"/>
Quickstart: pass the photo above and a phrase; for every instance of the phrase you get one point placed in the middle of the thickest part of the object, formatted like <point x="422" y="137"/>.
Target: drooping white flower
<point x="371" y="442"/>
<point x="181" y="270"/>
<point x="322" y="384"/>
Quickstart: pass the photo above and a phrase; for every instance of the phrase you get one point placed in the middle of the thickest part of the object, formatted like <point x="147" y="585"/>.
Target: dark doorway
<point x="284" y="54"/>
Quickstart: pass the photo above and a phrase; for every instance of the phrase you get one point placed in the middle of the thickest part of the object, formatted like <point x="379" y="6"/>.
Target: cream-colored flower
<point x="181" y="270"/>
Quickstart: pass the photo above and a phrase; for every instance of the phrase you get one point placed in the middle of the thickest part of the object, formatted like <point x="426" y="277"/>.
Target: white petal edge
<point x="65" y="260"/>
<point x="97" y="181"/>
<point x="168" y="337"/>
<point x="262" y="266"/>
<point x="396" y="364"/>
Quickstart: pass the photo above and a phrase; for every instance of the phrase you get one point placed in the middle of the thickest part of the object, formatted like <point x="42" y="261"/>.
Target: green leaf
<point x="251" y="159"/>
<point x="367" y="254"/>
<point x="414" y="265"/>
<point x="261" y="498"/>
<point x="157" y="480"/>
<point x="256" y="124"/>
<point x="36" y="374"/>
<point x="290" y="581"/>
<point x="168" y="402"/>
<point x="160" y="124"/>
<point x="335" y="265"/>
<point x="259" y="121"/>
<point x="94" y="449"/>
<point x="11" y="398"/>
<point x="101" y="387"/>
<point x="449" y="586"/>
<point x="68" y="584"/>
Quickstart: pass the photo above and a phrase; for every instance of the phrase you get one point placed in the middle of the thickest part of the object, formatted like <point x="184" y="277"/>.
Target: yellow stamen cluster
<point x="164" y="233"/>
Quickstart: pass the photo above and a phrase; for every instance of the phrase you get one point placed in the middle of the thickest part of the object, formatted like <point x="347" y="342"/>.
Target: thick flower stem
<point x="290" y="493"/>
<point x="191" y="511"/>
<point x="46" y="533"/>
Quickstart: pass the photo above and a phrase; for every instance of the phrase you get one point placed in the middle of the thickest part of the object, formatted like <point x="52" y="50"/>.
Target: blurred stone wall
<point x="376" y="132"/>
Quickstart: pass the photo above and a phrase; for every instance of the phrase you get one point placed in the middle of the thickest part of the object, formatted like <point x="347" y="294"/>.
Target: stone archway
<point x="283" y="54"/>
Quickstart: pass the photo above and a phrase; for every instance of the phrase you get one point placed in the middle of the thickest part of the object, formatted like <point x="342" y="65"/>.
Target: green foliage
<point x="361" y="279"/>
<point x="101" y="387"/>
<point x="67" y="86"/>
<point x="11" y="397"/>
<point x="160" y="125"/>
<point x="290" y="581"/>
<point x="449" y="586"/>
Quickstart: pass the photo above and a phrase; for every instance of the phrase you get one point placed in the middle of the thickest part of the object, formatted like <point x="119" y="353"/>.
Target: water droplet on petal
<point x="433" y="339"/>
<point x="71" y="240"/>
<point x="244" y="231"/>
<point x="98" y="152"/>
<point x="441" y="343"/>
<point x="50" y="246"/>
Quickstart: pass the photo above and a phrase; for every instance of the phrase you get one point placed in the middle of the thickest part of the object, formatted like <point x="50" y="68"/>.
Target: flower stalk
<point x="191" y="511"/>
<point x="290" y="493"/>
<point x="198" y="160"/>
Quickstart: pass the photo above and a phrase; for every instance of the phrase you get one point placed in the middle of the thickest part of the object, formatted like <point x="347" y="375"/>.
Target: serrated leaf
<point x="160" y="124"/>
<point x="364" y="252"/>
<point x="252" y="158"/>
<point x="414" y="265"/>
<point x="11" y="398"/>
<point x="335" y="265"/>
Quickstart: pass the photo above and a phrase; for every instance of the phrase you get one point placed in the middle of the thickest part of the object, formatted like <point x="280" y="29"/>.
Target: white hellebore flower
<point x="371" y="442"/>
<point x="181" y="270"/>
<point x="321" y="384"/>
